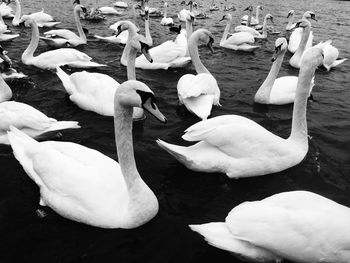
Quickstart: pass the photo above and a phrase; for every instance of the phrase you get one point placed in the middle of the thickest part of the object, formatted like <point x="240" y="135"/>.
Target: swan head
<point x="205" y="36"/>
<point x="165" y="4"/>
<point x="269" y="17"/>
<point x="6" y="60"/>
<point x="226" y="17"/>
<point x="134" y="93"/>
<point x="290" y="13"/>
<point x="259" y="7"/>
<point x="26" y="21"/>
<point x="249" y="8"/>
<point x="120" y="26"/>
<point x="310" y="15"/>
<point x="76" y="2"/>
<point x="189" y="16"/>
<point x="280" y="47"/>
<point x="303" y="23"/>
<point x="80" y="9"/>
<point x="146" y="16"/>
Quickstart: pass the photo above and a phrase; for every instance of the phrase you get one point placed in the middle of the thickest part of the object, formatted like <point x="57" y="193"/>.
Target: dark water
<point x="184" y="196"/>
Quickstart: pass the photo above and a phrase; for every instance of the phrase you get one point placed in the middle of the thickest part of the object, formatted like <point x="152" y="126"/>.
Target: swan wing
<point x="299" y="226"/>
<point x="250" y="30"/>
<point x="240" y="38"/>
<point x="41" y="17"/>
<point x="63" y="33"/>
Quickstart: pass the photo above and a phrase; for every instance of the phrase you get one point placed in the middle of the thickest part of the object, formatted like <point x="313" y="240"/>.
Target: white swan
<point x="95" y="91"/>
<point x="64" y="37"/>
<point x="199" y="92"/>
<point x="331" y="55"/>
<point x="253" y="31"/>
<point x="42" y="19"/>
<point x="295" y="37"/>
<point x="6" y="70"/>
<point x="298" y="226"/>
<point x="290" y="26"/>
<point x="52" y="59"/>
<point x="295" y="60"/>
<point x="166" y="21"/>
<point x="281" y="90"/>
<point x="170" y="54"/>
<point x="239" y="147"/>
<point x="3" y="29"/>
<point x="121" y="4"/>
<point x="237" y="41"/>
<point x="84" y="185"/>
<point x="6" y="10"/>
<point x="253" y="20"/>
<point x="108" y="10"/>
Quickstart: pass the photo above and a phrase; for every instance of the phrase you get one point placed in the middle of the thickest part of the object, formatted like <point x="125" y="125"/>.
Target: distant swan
<point x="53" y="58"/>
<point x="82" y="184"/>
<point x="64" y="37"/>
<point x="199" y="92"/>
<point x="298" y="226"/>
<point x="290" y="16"/>
<point x="253" y="31"/>
<point x="166" y="21"/>
<point x="253" y="20"/>
<point x="239" y="147"/>
<point x="281" y="90"/>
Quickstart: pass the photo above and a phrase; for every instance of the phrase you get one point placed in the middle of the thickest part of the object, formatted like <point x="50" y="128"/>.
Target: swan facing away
<point x="238" y="41"/>
<point x="82" y="184"/>
<point x="199" y="92"/>
<point x="64" y="37"/>
<point x="53" y="58"/>
<point x="298" y="226"/>
<point x="331" y="54"/>
<point x="281" y="90"/>
<point x="239" y="147"/>
<point x="41" y="18"/>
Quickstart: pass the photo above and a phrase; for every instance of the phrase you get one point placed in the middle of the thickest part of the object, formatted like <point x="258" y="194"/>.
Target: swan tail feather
<point x="62" y="125"/>
<point x="337" y="63"/>
<point x="24" y="147"/>
<point x="177" y="151"/>
<point x="65" y="78"/>
<point x="200" y="106"/>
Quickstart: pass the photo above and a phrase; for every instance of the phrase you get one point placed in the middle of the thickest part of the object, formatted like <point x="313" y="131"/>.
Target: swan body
<point x="253" y="31"/>
<point x="281" y="90"/>
<point x="63" y="37"/>
<point x="298" y="226"/>
<point x="121" y="4"/>
<point x="107" y="10"/>
<point x="237" y="41"/>
<point x="199" y="92"/>
<point x="296" y="36"/>
<point x="29" y="120"/>
<point x="41" y="18"/>
<point x="166" y="21"/>
<point x="239" y="147"/>
<point x="82" y="184"/>
<point x="53" y="58"/>
<point x="331" y="55"/>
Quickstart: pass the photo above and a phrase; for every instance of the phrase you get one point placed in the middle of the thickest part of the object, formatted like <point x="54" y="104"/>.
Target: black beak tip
<point x="151" y="60"/>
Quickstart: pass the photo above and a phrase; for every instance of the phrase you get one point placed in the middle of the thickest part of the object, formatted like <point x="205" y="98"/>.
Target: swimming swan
<point x="331" y="54"/>
<point x="239" y="147"/>
<point x="237" y="41"/>
<point x="253" y="31"/>
<point x="166" y="21"/>
<point x="281" y="90"/>
<point x="199" y="92"/>
<point x="298" y="226"/>
<point x="95" y="91"/>
<point x="82" y="184"/>
<point x="253" y="20"/>
<point x="295" y="37"/>
<point x="53" y="58"/>
<point x="64" y="37"/>
<point x="42" y="19"/>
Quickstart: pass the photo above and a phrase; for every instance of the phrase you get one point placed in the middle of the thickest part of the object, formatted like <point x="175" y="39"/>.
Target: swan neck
<point x="249" y="21"/>
<point x="131" y="64"/>
<point x="264" y="91"/>
<point x="18" y="13"/>
<point x="29" y="52"/>
<point x="148" y="33"/>
<point x="165" y="11"/>
<point x="188" y="34"/>
<point x="303" y="41"/>
<point x="299" y="123"/>
<point x="194" y="54"/>
<point x="257" y="14"/>
<point x="290" y="21"/>
<point x="265" y="28"/>
<point x="124" y="143"/>
<point x="5" y="91"/>
<point x="79" y="26"/>
<point x="227" y="29"/>
<point x="125" y="56"/>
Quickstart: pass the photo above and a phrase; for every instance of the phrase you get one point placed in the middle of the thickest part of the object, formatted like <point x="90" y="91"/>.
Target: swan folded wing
<point x="195" y="85"/>
<point x="240" y="38"/>
<point x="166" y="52"/>
<point x="41" y="17"/>
<point x="22" y="116"/>
<point x="61" y="56"/>
<point x="283" y="230"/>
<point x="64" y="33"/>
<point x="55" y="41"/>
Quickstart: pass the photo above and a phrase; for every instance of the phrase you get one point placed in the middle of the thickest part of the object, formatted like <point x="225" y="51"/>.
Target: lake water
<point x="184" y="196"/>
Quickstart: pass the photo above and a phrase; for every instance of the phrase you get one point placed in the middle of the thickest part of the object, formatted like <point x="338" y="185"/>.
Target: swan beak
<point x="272" y="20"/>
<point x="223" y="18"/>
<point x="289" y="14"/>
<point x="274" y="56"/>
<point x="210" y="45"/>
<point x="84" y="10"/>
<point x="145" y="51"/>
<point x="150" y="106"/>
<point x="5" y="58"/>
<point x="119" y="31"/>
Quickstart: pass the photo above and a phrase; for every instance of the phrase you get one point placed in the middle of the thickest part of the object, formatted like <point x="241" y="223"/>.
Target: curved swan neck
<point x="299" y="124"/>
<point x="264" y="91"/>
<point x="5" y="91"/>
<point x="124" y="143"/>
<point x="227" y="29"/>
<point x="18" y="13"/>
<point x="29" y="52"/>
<point x="79" y="26"/>
<point x="303" y="41"/>
<point x="131" y="64"/>
<point x="193" y="50"/>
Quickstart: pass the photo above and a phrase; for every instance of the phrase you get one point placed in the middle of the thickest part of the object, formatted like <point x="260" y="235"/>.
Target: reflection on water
<point x="184" y="196"/>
